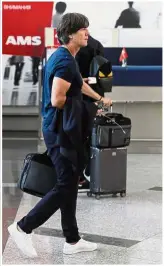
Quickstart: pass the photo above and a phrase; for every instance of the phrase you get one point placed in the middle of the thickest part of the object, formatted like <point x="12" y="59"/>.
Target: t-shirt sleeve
<point x="65" y="70"/>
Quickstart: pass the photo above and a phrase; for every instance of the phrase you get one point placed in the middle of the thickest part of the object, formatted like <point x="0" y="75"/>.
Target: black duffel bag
<point x="38" y="175"/>
<point x="111" y="130"/>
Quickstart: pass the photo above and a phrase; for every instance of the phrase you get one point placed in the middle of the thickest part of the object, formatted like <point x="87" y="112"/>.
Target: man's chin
<point x="84" y="44"/>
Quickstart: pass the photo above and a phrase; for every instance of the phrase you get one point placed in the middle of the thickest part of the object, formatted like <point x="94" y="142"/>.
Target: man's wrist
<point x="99" y="98"/>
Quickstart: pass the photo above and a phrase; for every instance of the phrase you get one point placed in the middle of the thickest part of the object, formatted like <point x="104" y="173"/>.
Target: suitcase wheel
<point x="89" y="194"/>
<point x="97" y="196"/>
<point x="123" y="194"/>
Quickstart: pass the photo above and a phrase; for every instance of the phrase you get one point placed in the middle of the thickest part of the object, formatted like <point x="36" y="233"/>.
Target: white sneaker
<point x="80" y="246"/>
<point x="22" y="240"/>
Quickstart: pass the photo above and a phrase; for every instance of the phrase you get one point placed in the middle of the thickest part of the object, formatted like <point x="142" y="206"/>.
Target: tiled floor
<point x="128" y="230"/>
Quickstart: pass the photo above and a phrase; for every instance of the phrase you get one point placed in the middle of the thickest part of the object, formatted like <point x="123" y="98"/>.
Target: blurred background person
<point x="84" y="58"/>
<point x="35" y="70"/>
<point x="129" y="18"/>
<point x="60" y="8"/>
<point x="18" y="61"/>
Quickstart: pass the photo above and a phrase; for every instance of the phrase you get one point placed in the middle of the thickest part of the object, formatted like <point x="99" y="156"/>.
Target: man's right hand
<point x="86" y="79"/>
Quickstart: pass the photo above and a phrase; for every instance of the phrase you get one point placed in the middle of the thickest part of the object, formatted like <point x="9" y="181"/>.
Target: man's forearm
<point x="87" y="90"/>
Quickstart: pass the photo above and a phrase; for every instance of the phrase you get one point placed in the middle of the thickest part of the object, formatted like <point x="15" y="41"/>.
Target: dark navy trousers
<point x="63" y="196"/>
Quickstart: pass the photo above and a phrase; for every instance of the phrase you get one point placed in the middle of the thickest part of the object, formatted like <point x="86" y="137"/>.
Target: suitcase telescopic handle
<point x="111" y="107"/>
<point x="104" y="107"/>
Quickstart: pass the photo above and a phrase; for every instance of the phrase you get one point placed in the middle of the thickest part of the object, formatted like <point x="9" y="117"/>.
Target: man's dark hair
<point x="70" y="23"/>
<point x="130" y="4"/>
<point x="60" y="7"/>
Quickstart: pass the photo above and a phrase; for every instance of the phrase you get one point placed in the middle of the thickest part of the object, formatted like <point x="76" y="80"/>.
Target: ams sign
<point x="27" y="40"/>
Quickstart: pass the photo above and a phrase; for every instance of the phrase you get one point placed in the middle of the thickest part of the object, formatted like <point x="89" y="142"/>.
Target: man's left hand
<point x="106" y="101"/>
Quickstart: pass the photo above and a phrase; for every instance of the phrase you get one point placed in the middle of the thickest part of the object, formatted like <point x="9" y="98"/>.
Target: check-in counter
<point x="137" y="76"/>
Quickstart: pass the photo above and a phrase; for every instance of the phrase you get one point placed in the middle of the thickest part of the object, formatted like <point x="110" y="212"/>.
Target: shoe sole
<point x="84" y="190"/>
<point x="80" y="251"/>
<point x="24" y="253"/>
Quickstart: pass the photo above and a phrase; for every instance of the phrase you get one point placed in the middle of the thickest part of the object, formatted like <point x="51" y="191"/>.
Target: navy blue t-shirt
<point x="63" y="65"/>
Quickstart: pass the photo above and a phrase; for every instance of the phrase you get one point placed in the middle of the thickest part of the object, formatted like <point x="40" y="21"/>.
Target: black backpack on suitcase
<point x="111" y="130"/>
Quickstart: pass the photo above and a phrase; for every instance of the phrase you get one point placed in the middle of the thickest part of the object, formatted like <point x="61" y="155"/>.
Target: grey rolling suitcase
<point x="108" y="171"/>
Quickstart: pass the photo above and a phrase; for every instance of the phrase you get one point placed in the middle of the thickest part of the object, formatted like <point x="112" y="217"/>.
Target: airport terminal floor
<point x="128" y="230"/>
